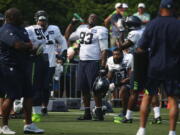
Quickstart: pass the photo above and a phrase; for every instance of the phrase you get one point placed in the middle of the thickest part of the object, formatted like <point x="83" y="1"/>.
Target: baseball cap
<point x="125" y="5"/>
<point x="40" y="18"/>
<point x="167" y="4"/>
<point x="118" y="5"/>
<point x="141" y="5"/>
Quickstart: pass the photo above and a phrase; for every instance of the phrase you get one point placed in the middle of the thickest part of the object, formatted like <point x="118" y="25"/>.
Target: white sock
<point x="171" y="132"/>
<point x="129" y="114"/>
<point x="141" y="131"/>
<point x="36" y="110"/>
<point x="156" y="112"/>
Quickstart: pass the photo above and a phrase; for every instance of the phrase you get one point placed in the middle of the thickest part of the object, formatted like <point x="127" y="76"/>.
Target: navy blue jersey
<point x="162" y="39"/>
<point x="9" y="35"/>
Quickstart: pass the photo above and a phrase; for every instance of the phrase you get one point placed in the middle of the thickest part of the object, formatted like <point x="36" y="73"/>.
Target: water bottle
<point x="78" y="17"/>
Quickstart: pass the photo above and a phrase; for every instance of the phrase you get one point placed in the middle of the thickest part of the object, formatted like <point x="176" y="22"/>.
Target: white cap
<point x="141" y="5"/>
<point x="118" y="5"/>
<point x="125" y="5"/>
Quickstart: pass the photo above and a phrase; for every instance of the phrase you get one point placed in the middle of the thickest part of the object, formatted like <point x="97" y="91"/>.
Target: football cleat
<point x="7" y="131"/>
<point x="157" y="120"/>
<point x="118" y="119"/>
<point x="36" y="117"/>
<point x="125" y="120"/>
<point x="98" y="114"/>
<point x="32" y="129"/>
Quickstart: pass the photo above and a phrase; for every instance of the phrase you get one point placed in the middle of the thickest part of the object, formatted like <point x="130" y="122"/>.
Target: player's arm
<point x="20" y="45"/>
<point x="143" y="43"/>
<point x="15" y="42"/>
<point x="70" y="28"/>
<point x="127" y="79"/>
<point x="126" y="44"/>
<point x="103" y="46"/>
<point x="107" y="21"/>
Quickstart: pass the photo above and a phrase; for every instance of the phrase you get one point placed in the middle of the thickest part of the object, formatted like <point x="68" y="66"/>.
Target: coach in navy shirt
<point x="161" y="39"/>
<point x="15" y="48"/>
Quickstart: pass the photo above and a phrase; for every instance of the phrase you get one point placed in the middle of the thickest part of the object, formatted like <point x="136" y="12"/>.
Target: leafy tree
<point x="61" y="11"/>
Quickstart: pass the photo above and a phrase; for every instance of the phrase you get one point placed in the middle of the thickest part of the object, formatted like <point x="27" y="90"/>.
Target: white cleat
<point x="32" y="129"/>
<point x="7" y="131"/>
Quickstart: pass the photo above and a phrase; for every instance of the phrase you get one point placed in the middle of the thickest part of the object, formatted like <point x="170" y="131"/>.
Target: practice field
<point x="65" y="123"/>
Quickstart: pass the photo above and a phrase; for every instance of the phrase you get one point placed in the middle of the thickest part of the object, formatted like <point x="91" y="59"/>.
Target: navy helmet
<point x="40" y="15"/>
<point x="101" y="84"/>
<point x="132" y="22"/>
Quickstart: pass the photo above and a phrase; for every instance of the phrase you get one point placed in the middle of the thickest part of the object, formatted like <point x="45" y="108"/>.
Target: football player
<point x="93" y="46"/>
<point x="119" y="69"/>
<point x="16" y="70"/>
<point x="139" y="69"/>
<point x="45" y="63"/>
<point x="161" y="39"/>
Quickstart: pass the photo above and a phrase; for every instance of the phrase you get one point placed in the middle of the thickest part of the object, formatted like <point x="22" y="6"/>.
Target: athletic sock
<point x="141" y="131"/>
<point x="36" y="110"/>
<point x="156" y="112"/>
<point x="129" y="114"/>
<point x="171" y="132"/>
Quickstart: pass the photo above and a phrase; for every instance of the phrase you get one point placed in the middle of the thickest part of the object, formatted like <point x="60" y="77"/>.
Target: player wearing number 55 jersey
<point x="93" y="46"/>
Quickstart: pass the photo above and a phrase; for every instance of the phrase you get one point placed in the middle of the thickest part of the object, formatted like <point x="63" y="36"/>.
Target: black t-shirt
<point x="9" y="35"/>
<point x="162" y="40"/>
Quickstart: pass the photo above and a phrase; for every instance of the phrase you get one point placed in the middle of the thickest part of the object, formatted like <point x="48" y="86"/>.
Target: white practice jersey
<point x="90" y="38"/>
<point x="36" y="35"/>
<point x="126" y="63"/>
<point x="55" y="40"/>
<point x="134" y="36"/>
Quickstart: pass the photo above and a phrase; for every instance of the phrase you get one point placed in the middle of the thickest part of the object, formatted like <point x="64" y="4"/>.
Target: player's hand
<point x="50" y="42"/>
<point x="40" y="50"/>
<point x="74" y="21"/>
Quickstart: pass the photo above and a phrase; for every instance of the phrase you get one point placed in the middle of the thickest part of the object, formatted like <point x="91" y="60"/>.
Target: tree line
<point x="60" y="12"/>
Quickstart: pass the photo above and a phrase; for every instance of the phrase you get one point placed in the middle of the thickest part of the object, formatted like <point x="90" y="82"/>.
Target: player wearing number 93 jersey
<point x="93" y="45"/>
<point x="90" y="39"/>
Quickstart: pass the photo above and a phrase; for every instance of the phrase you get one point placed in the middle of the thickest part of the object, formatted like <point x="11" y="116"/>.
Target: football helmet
<point x="40" y="14"/>
<point x="132" y="22"/>
<point x="18" y="106"/>
<point x="100" y="86"/>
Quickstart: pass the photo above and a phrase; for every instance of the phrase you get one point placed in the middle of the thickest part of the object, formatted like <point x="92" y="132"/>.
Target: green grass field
<point x="65" y="123"/>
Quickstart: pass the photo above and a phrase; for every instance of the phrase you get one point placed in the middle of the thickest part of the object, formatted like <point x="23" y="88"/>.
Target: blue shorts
<point x="171" y="87"/>
<point x="86" y="75"/>
<point x="16" y="82"/>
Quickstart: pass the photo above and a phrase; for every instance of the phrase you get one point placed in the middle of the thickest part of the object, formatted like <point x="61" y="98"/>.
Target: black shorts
<point x="16" y="82"/>
<point x="136" y="85"/>
<point x="139" y="75"/>
<point x="86" y="75"/>
<point x="171" y="87"/>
